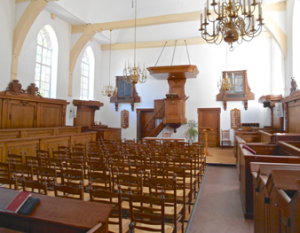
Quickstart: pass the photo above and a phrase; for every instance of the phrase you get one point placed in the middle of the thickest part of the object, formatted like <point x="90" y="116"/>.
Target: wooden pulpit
<point x="175" y="102"/>
<point x="205" y="130"/>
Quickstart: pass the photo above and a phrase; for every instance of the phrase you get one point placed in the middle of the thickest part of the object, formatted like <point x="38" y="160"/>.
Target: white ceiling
<point x="99" y="11"/>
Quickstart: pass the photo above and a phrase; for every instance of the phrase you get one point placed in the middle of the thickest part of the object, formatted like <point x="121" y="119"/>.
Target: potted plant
<point x="192" y="131"/>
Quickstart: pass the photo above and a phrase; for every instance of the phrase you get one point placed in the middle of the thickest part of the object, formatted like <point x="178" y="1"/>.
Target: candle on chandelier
<point x="244" y="3"/>
<point x="201" y="18"/>
<point x="249" y="7"/>
<point x="259" y="9"/>
<point x="219" y="7"/>
<point x="253" y="22"/>
<point x="233" y="6"/>
<point x="205" y="14"/>
<point x="207" y="5"/>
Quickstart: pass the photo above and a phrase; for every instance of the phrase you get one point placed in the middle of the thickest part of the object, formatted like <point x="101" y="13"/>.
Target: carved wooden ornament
<point x="124" y="119"/>
<point x="235" y="117"/>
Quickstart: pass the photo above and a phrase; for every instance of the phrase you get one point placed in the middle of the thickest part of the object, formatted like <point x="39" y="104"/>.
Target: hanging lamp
<point x="109" y="90"/>
<point x="134" y="74"/>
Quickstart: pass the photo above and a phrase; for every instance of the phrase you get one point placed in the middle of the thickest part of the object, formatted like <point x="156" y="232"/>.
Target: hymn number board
<point x="235" y="117"/>
<point x="124" y="119"/>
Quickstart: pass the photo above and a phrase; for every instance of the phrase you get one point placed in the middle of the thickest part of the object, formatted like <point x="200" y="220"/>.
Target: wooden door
<point x="210" y="117"/>
<point x="145" y="122"/>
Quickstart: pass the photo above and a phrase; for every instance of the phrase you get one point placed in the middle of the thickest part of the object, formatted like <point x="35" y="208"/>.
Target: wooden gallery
<point x="138" y="116"/>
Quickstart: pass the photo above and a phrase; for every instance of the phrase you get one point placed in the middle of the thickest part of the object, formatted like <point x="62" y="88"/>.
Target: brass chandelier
<point x="109" y="90"/>
<point x="234" y="22"/>
<point x="134" y="74"/>
<point x="226" y="83"/>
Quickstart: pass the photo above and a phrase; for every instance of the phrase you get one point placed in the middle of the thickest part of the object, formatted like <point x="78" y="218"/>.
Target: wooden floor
<point x="220" y="156"/>
<point x="218" y="208"/>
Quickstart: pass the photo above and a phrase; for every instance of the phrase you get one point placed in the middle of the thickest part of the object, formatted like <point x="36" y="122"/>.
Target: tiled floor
<point x="219" y="207"/>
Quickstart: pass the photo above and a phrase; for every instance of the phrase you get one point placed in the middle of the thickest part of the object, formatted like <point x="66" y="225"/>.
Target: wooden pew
<point x="38" y="132"/>
<point x="288" y="201"/>
<point x="245" y="175"/>
<point x="263" y="136"/>
<point x="29" y="145"/>
<point x="266" y="213"/>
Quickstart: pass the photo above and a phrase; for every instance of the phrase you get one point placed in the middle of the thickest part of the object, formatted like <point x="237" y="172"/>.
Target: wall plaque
<point x="235" y="117"/>
<point x="124" y="119"/>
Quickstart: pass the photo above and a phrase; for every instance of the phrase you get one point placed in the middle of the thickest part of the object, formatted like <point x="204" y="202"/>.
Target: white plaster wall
<point x="211" y="60"/>
<point x="7" y="14"/>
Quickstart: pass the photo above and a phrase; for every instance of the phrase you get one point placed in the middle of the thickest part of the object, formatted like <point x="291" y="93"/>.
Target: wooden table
<point x="54" y="214"/>
<point x="164" y="139"/>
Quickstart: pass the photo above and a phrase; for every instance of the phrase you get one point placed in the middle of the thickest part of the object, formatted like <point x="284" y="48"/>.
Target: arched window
<point x="46" y="62"/>
<point x="87" y="74"/>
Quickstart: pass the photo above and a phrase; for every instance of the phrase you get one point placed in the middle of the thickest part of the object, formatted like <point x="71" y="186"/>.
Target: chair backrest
<point x="225" y="134"/>
<point x="49" y="175"/>
<point x="22" y="172"/>
<point x="147" y="213"/>
<point x="100" y="181"/>
<point x="34" y="187"/>
<point x="109" y="197"/>
<point x="43" y="153"/>
<point x="69" y="192"/>
<point x="72" y="178"/>
<point x="16" y="158"/>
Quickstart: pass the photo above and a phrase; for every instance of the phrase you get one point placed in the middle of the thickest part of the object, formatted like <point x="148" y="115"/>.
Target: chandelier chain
<point x="187" y="51"/>
<point x="174" y="52"/>
<point x="109" y="58"/>
<point x="161" y="53"/>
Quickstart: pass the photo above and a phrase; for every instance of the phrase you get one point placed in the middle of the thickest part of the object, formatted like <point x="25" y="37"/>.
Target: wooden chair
<point x="147" y="214"/>
<point x="6" y="178"/>
<point x="225" y="137"/>
<point x="74" y="178"/>
<point x="48" y="175"/>
<point x="116" y="223"/>
<point x="173" y="210"/>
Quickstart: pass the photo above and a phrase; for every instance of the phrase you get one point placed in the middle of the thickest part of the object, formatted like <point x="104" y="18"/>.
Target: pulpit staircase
<point x="159" y="114"/>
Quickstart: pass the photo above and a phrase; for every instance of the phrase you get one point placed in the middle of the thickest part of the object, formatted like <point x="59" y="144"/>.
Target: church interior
<point x="150" y="116"/>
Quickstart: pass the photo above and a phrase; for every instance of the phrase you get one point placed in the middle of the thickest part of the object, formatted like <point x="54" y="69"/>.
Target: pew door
<point x="145" y="122"/>
<point x="210" y="117"/>
<point x="15" y="110"/>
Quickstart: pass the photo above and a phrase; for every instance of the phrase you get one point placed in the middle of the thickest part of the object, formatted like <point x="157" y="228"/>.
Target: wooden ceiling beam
<point x="163" y="19"/>
<point x="158" y="44"/>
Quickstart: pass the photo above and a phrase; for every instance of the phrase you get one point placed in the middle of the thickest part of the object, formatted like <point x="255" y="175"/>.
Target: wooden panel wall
<point x="27" y="112"/>
<point x="293" y="115"/>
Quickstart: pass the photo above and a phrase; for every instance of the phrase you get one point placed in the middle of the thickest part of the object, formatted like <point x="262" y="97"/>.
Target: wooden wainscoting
<point x="38" y="132"/>
<point x="29" y="145"/>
